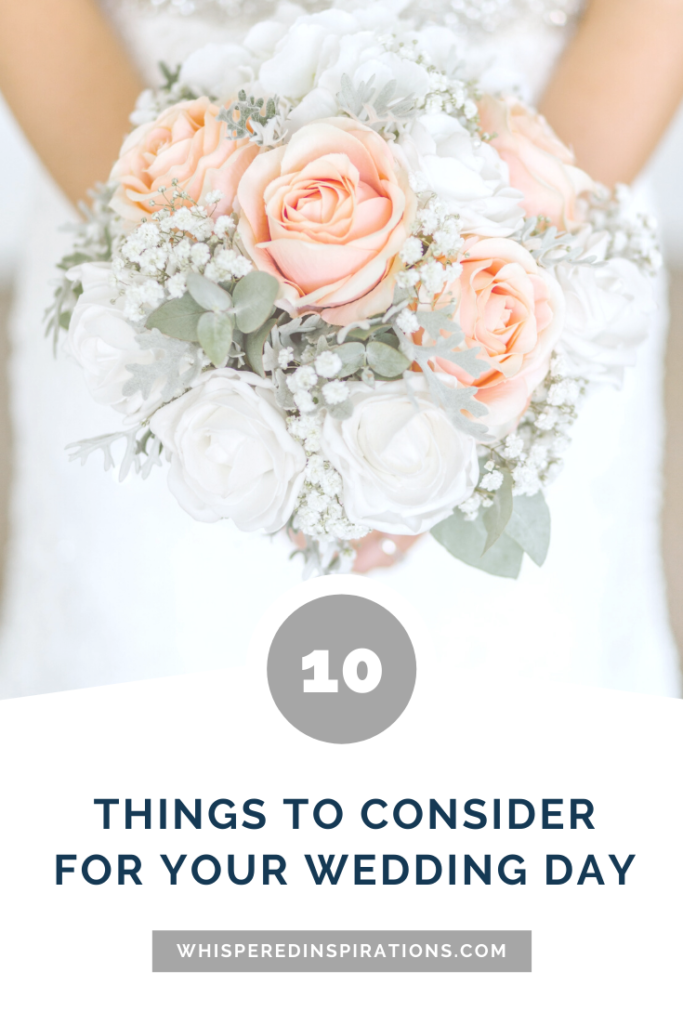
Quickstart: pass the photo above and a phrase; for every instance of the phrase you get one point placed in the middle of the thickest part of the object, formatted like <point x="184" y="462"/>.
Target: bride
<point x="108" y="583"/>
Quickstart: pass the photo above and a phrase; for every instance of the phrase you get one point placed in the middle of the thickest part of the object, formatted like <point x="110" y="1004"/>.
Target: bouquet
<point x="339" y="288"/>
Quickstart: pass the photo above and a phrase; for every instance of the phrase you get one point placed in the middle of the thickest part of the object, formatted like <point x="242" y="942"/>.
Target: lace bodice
<point x="485" y="15"/>
<point x="511" y="44"/>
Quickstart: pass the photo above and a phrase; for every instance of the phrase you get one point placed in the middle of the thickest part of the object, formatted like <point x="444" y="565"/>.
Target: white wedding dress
<point x="108" y="582"/>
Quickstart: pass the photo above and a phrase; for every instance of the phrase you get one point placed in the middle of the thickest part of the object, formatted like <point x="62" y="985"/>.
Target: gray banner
<point x="341" y="951"/>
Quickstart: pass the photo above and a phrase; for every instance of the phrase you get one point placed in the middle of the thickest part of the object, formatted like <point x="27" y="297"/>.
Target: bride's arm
<point x="618" y="85"/>
<point x="70" y="84"/>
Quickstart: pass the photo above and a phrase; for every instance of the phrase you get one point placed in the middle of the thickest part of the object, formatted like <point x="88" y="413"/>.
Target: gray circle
<point x="341" y="624"/>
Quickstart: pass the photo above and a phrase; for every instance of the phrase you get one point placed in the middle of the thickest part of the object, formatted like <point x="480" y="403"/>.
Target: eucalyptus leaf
<point x="215" y="336"/>
<point x="465" y="540"/>
<point x="253" y="347"/>
<point x="352" y="355"/>
<point x="253" y="299"/>
<point x="178" y="318"/>
<point x="497" y="516"/>
<point x="207" y="294"/>
<point x="529" y="525"/>
<point x="386" y="360"/>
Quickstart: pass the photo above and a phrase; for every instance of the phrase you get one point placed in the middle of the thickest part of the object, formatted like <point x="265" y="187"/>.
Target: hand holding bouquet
<point x="340" y="290"/>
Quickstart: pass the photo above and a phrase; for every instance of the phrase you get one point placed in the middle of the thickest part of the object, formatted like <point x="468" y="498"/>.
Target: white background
<point x="82" y="954"/>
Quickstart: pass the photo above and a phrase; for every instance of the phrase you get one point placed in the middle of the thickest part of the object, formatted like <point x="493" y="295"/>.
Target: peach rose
<point x="327" y="214"/>
<point x="540" y="165"/>
<point x="185" y="142"/>
<point x="513" y="311"/>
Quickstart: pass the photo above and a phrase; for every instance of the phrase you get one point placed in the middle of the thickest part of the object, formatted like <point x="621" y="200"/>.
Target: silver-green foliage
<point x="222" y="322"/>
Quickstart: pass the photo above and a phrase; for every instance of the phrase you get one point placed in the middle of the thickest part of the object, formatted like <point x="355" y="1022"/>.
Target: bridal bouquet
<point x="340" y="289"/>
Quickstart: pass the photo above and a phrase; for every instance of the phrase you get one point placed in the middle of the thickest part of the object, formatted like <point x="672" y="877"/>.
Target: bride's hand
<point x="380" y="550"/>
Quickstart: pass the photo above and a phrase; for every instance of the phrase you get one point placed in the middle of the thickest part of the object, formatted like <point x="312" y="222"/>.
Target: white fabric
<point x="109" y="582"/>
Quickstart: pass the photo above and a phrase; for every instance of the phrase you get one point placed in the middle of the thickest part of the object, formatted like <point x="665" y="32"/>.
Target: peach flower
<point x="541" y="166"/>
<point x="327" y="214"/>
<point x="186" y="142"/>
<point x="513" y="311"/>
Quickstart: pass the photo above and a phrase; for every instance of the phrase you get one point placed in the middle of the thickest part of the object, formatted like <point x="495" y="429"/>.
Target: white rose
<point x="231" y="454"/>
<point x="293" y="68"/>
<point x="312" y="55"/>
<point x="218" y="70"/>
<point x="104" y="344"/>
<point x="473" y="182"/>
<point x="609" y="308"/>
<point x="403" y="470"/>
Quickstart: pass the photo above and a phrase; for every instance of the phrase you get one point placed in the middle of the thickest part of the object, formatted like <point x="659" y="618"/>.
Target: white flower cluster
<point x="633" y="233"/>
<point x="430" y="254"/>
<point x="169" y="246"/>
<point x="441" y="93"/>
<point x="319" y="512"/>
<point x="532" y="454"/>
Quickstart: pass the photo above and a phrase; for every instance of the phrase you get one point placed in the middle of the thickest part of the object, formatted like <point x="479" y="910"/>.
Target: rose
<point x="609" y="307"/>
<point x="310" y="56"/>
<point x="231" y="454"/>
<point x="513" y="312"/>
<point x="104" y="344"/>
<point x="327" y="214"/>
<point x="188" y="144"/>
<point x="218" y="70"/>
<point x="540" y="165"/>
<point x="404" y="469"/>
<point x="473" y="182"/>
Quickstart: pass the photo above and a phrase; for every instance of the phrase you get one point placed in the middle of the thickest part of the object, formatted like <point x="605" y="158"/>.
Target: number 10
<point x="319" y="661"/>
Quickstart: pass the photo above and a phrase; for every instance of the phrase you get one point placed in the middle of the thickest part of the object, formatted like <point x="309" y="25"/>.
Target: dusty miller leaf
<point x="436" y="320"/>
<point x="372" y="104"/>
<point x="177" y="367"/>
<point x="341" y="410"/>
<point x="283" y="395"/>
<point x="136" y="448"/>
<point x="456" y="402"/>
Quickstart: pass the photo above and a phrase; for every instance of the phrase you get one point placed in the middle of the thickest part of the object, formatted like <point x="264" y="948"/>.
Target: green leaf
<point x="207" y="294"/>
<point x="497" y="516"/>
<point x="465" y="540"/>
<point x="215" y="336"/>
<point x="253" y="347"/>
<point x="529" y="526"/>
<point x="352" y="355"/>
<point x="386" y="361"/>
<point x="253" y="299"/>
<point x="178" y="318"/>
